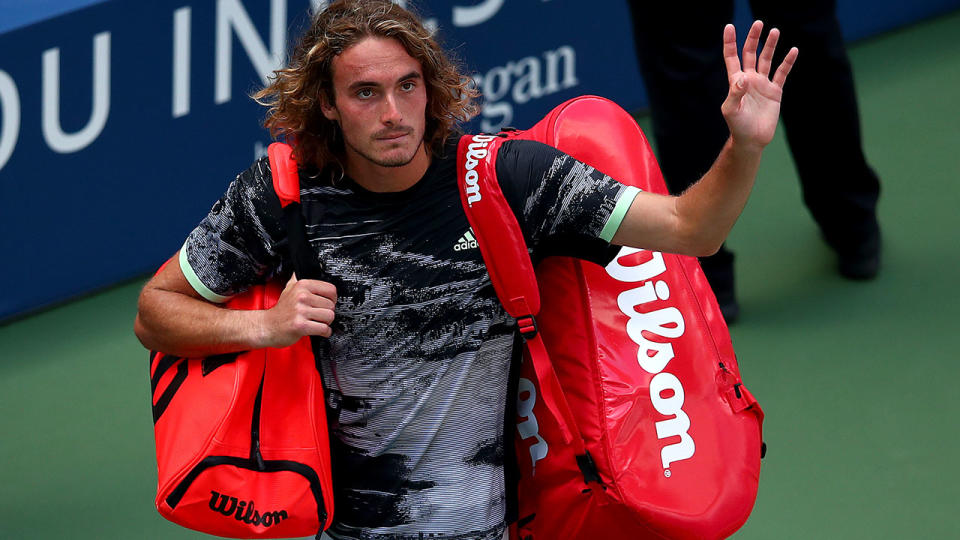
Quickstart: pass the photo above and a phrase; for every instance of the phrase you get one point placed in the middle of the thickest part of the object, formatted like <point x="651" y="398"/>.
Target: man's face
<point x="379" y="101"/>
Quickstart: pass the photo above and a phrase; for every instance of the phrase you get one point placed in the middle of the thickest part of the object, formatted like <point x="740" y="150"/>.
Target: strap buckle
<point x="740" y="398"/>
<point x="527" y="326"/>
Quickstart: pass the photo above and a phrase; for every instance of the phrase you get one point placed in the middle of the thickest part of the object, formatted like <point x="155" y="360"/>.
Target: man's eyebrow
<point x="413" y="75"/>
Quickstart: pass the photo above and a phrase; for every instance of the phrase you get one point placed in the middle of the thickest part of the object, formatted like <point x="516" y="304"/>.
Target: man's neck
<point x="380" y="179"/>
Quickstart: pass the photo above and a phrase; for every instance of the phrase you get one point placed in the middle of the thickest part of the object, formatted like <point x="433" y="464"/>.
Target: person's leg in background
<point x="679" y="48"/>
<point x="822" y="124"/>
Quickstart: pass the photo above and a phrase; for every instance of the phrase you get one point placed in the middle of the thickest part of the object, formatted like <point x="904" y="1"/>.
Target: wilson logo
<point x="528" y="428"/>
<point x="244" y="511"/>
<point x="477" y="150"/>
<point x="666" y="391"/>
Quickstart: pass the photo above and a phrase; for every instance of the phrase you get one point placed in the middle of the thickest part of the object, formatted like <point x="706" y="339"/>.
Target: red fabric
<point x="641" y="355"/>
<point x="283" y="166"/>
<point x="222" y="472"/>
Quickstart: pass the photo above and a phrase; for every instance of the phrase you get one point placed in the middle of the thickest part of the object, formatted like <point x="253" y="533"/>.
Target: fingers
<point x="311" y="327"/>
<point x="309" y="306"/>
<point x="766" y="56"/>
<point x="315" y="299"/>
<point x="730" y="56"/>
<point x="312" y="321"/>
<point x="319" y="288"/>
<point x="780" y="76"/>
<point x="302" y="326"/>
<point x="291" y="283"/>
<point x="750" y="46"/>
<point x="751" y="61"/>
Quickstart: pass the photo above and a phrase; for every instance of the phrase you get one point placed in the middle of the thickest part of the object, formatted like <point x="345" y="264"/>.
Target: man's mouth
<point x="392" y="135"/>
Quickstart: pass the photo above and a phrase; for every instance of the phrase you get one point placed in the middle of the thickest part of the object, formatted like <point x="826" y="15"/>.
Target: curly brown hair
<point x="294" y="96"/>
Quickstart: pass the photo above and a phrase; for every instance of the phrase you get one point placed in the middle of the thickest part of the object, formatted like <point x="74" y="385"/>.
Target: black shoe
<point x="859" y="258"/>
<point x="860" y="266"/>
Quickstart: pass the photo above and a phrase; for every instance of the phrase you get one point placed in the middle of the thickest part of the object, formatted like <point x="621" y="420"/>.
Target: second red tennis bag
<point x="242" y="447"/>
<point x="633" y="421"/>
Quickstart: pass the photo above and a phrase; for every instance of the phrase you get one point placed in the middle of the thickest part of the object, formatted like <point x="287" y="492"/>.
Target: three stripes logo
<point x="163" y="363"/>
<point x="467" y="241"/>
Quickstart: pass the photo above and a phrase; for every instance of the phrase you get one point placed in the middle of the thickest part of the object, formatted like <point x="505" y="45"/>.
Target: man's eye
<point x="365" y="93"/>
<point x="408" y="86"/>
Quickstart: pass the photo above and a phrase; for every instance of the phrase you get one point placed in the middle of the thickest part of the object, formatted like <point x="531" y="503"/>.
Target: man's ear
<point x="328" y="108"/>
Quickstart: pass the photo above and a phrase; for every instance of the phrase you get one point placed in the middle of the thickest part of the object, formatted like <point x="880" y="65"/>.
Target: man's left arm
<point x="698" y="221"/>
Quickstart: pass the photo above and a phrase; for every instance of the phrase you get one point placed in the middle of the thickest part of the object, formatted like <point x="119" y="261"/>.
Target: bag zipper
<point x="255" y="454"/>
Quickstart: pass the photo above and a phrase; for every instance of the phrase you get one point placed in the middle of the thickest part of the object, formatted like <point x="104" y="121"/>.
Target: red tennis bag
<point x="632" y="418"/>
<point x="242" y="447"/>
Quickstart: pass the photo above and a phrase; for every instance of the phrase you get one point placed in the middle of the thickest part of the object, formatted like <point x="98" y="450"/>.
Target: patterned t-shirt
<point x="421" y="349"/>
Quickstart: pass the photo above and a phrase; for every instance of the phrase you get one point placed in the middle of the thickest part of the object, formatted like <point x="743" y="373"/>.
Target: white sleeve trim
<point x="619" y="212"/>
<point x="194" y="279"/>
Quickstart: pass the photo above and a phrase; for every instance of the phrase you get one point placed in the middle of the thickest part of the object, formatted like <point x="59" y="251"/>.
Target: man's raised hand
<point x="305" y="308"/>
<point x="752" y="107"/>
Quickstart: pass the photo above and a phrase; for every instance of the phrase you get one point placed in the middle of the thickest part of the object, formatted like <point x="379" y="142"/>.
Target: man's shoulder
<point x="512" y="150"/>
<point x="257" y="173"/>
<point x="256" y="183"/>
<point x="524" y="159"/>
<point x="527" y="147"/>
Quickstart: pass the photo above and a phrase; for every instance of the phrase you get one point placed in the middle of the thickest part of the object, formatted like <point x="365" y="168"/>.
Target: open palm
<point x="752" y="107"/>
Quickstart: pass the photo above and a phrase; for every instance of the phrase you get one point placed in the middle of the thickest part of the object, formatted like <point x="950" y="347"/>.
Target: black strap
<point x="307" y="265"/>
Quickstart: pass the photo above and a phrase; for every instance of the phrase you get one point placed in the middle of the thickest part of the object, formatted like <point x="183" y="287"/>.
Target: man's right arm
<point x="174" y="318"/>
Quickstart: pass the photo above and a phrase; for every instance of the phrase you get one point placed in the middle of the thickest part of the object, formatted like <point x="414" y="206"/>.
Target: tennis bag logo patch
<point x="244" y="511"/>
<point x="529" y="428"/>
<point x="653" y="356"/>
<point x="477" y="151"/>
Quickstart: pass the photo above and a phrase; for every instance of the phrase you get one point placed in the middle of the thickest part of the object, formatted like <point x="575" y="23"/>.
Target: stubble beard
<point x="398" y="161"/>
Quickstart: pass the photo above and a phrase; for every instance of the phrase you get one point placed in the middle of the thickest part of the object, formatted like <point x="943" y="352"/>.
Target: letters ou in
<point x="10" y="109"/>
<point x="232" y="16"/>
<point x="474" y="15"/>
<point x="462" y="15"/>
<point x="529" y="428"/>
<point x="53" y="133"/>
<point x="56" y="138"/>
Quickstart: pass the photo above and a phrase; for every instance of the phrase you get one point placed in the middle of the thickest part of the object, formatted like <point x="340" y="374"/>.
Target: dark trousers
<point x="680" y="51"/>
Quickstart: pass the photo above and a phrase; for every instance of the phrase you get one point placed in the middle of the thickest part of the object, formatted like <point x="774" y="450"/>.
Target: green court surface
<point x="858" y="380"/>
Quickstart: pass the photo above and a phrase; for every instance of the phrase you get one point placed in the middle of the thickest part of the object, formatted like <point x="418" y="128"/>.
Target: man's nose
<point x="391" y="112"/>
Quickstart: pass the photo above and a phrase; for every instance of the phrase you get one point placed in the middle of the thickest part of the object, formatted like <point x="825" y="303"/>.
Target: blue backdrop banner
<point x="121" y="123"/>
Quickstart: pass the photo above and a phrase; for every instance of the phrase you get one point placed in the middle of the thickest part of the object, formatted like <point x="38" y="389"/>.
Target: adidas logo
<point x="467" y="241"/>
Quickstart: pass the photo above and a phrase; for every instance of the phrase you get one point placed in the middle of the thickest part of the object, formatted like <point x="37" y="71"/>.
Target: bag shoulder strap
<point x="283" y="168"/>
<point x="286" y="184"/>
<point x="508" y="263"/>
